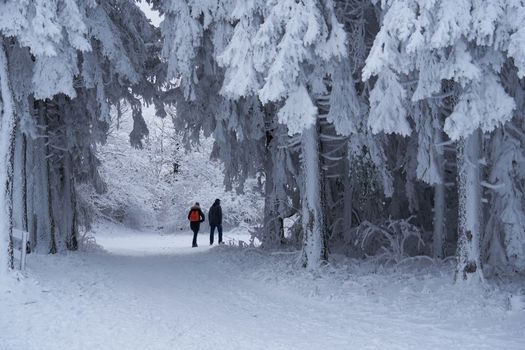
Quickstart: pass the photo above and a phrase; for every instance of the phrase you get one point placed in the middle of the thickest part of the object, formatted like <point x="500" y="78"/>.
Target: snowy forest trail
<point x="149" y="291"/>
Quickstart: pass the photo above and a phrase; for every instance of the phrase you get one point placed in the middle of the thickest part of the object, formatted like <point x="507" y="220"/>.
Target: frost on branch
<point x="105" y="31"/>
<point x="240" y="77"/>
<point x="484" y="105"/>
<point x="390" y="242"/>
<point x="54" y="75"/>
<point x="182" y="36"/>
<point x="298" y="112"/>
<point x="387" y="110"/>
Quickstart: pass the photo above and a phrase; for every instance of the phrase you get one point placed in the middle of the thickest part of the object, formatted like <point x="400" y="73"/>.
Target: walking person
<point x="215" y="220"/>
<point x="196" y="216"/>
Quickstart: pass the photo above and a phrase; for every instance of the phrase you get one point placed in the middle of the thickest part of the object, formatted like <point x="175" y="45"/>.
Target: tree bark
<point x="275" y="208"/>
<point x="439" y="201"/>
<point x="19" y="183"/>
<point x="439" y="221"/>
<point x="314" y="246"/>
<point x="348" y="196"/>
<point x="272" y="235"/>
<point x="468" y="263"/>
<point x="39" y="188"/>
<point x="7" y="139"/>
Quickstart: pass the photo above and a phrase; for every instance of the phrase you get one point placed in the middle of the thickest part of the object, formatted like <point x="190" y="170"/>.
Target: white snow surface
<point x="147" y="290"/>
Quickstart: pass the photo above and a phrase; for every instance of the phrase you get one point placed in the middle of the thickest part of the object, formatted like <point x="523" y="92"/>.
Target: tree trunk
<point x="314" y="247"/>
<point x="275" y="208"/>
<point x="468" y="264"/>
<point x="70" y="224"/>
<point x="348" y="196"/>
<point x="439" y="221"/>
<point x="38" y="188"/>
<point x="19" y="184"/>
<point x="272" y="230"/>
<point x="439" y="200"/>
<point x="53" y="246"/>
<point x="7" y="138"/>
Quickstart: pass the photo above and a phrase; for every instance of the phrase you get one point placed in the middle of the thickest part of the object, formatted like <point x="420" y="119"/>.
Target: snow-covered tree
<point x="465" y="44"/>
<point x="347" y="111"/>
<point x="503" y="244"/>
<point x="268" y="54"/>
<point x="277" y="47"/>
<point x="71" y="61"/>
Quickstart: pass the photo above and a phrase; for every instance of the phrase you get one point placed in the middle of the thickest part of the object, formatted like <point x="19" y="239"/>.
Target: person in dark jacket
<point x="196" y="216"/>
<point x="215" y="220"/>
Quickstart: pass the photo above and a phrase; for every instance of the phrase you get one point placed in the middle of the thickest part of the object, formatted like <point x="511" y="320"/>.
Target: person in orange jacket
<point x="196" y="216"/>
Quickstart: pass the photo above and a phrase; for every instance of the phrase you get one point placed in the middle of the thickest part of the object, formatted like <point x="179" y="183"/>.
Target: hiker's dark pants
<point x="212" y="231"/>
<point x="195" y="228"/>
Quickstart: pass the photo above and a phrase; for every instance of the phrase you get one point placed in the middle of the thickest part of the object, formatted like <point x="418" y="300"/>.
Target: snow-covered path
<point x="148" y="291"/>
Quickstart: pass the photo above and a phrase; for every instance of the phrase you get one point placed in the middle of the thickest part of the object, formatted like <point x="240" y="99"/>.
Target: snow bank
<point x="147" y="290"/>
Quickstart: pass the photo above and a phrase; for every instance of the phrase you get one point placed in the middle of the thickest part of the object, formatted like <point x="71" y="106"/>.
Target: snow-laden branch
<point x="492" y="186"/>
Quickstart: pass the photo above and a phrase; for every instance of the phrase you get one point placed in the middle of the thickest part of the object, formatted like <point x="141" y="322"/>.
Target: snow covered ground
<point x="146" y="290"/>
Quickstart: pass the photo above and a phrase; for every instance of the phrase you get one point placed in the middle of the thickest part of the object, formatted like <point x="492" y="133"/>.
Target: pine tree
<point x="465" y="45"/>
<point x="71" y="60"/>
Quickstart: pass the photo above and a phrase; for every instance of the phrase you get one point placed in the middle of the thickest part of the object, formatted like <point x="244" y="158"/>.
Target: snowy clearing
<point x="152" y="291"/>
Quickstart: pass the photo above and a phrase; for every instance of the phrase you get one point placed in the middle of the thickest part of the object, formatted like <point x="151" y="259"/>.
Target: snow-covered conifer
<point x="71" y="61"/>
<point x="464" y="44"/>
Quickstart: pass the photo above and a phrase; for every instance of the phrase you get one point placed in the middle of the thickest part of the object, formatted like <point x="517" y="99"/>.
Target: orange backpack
<point x="195" y="215"/>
